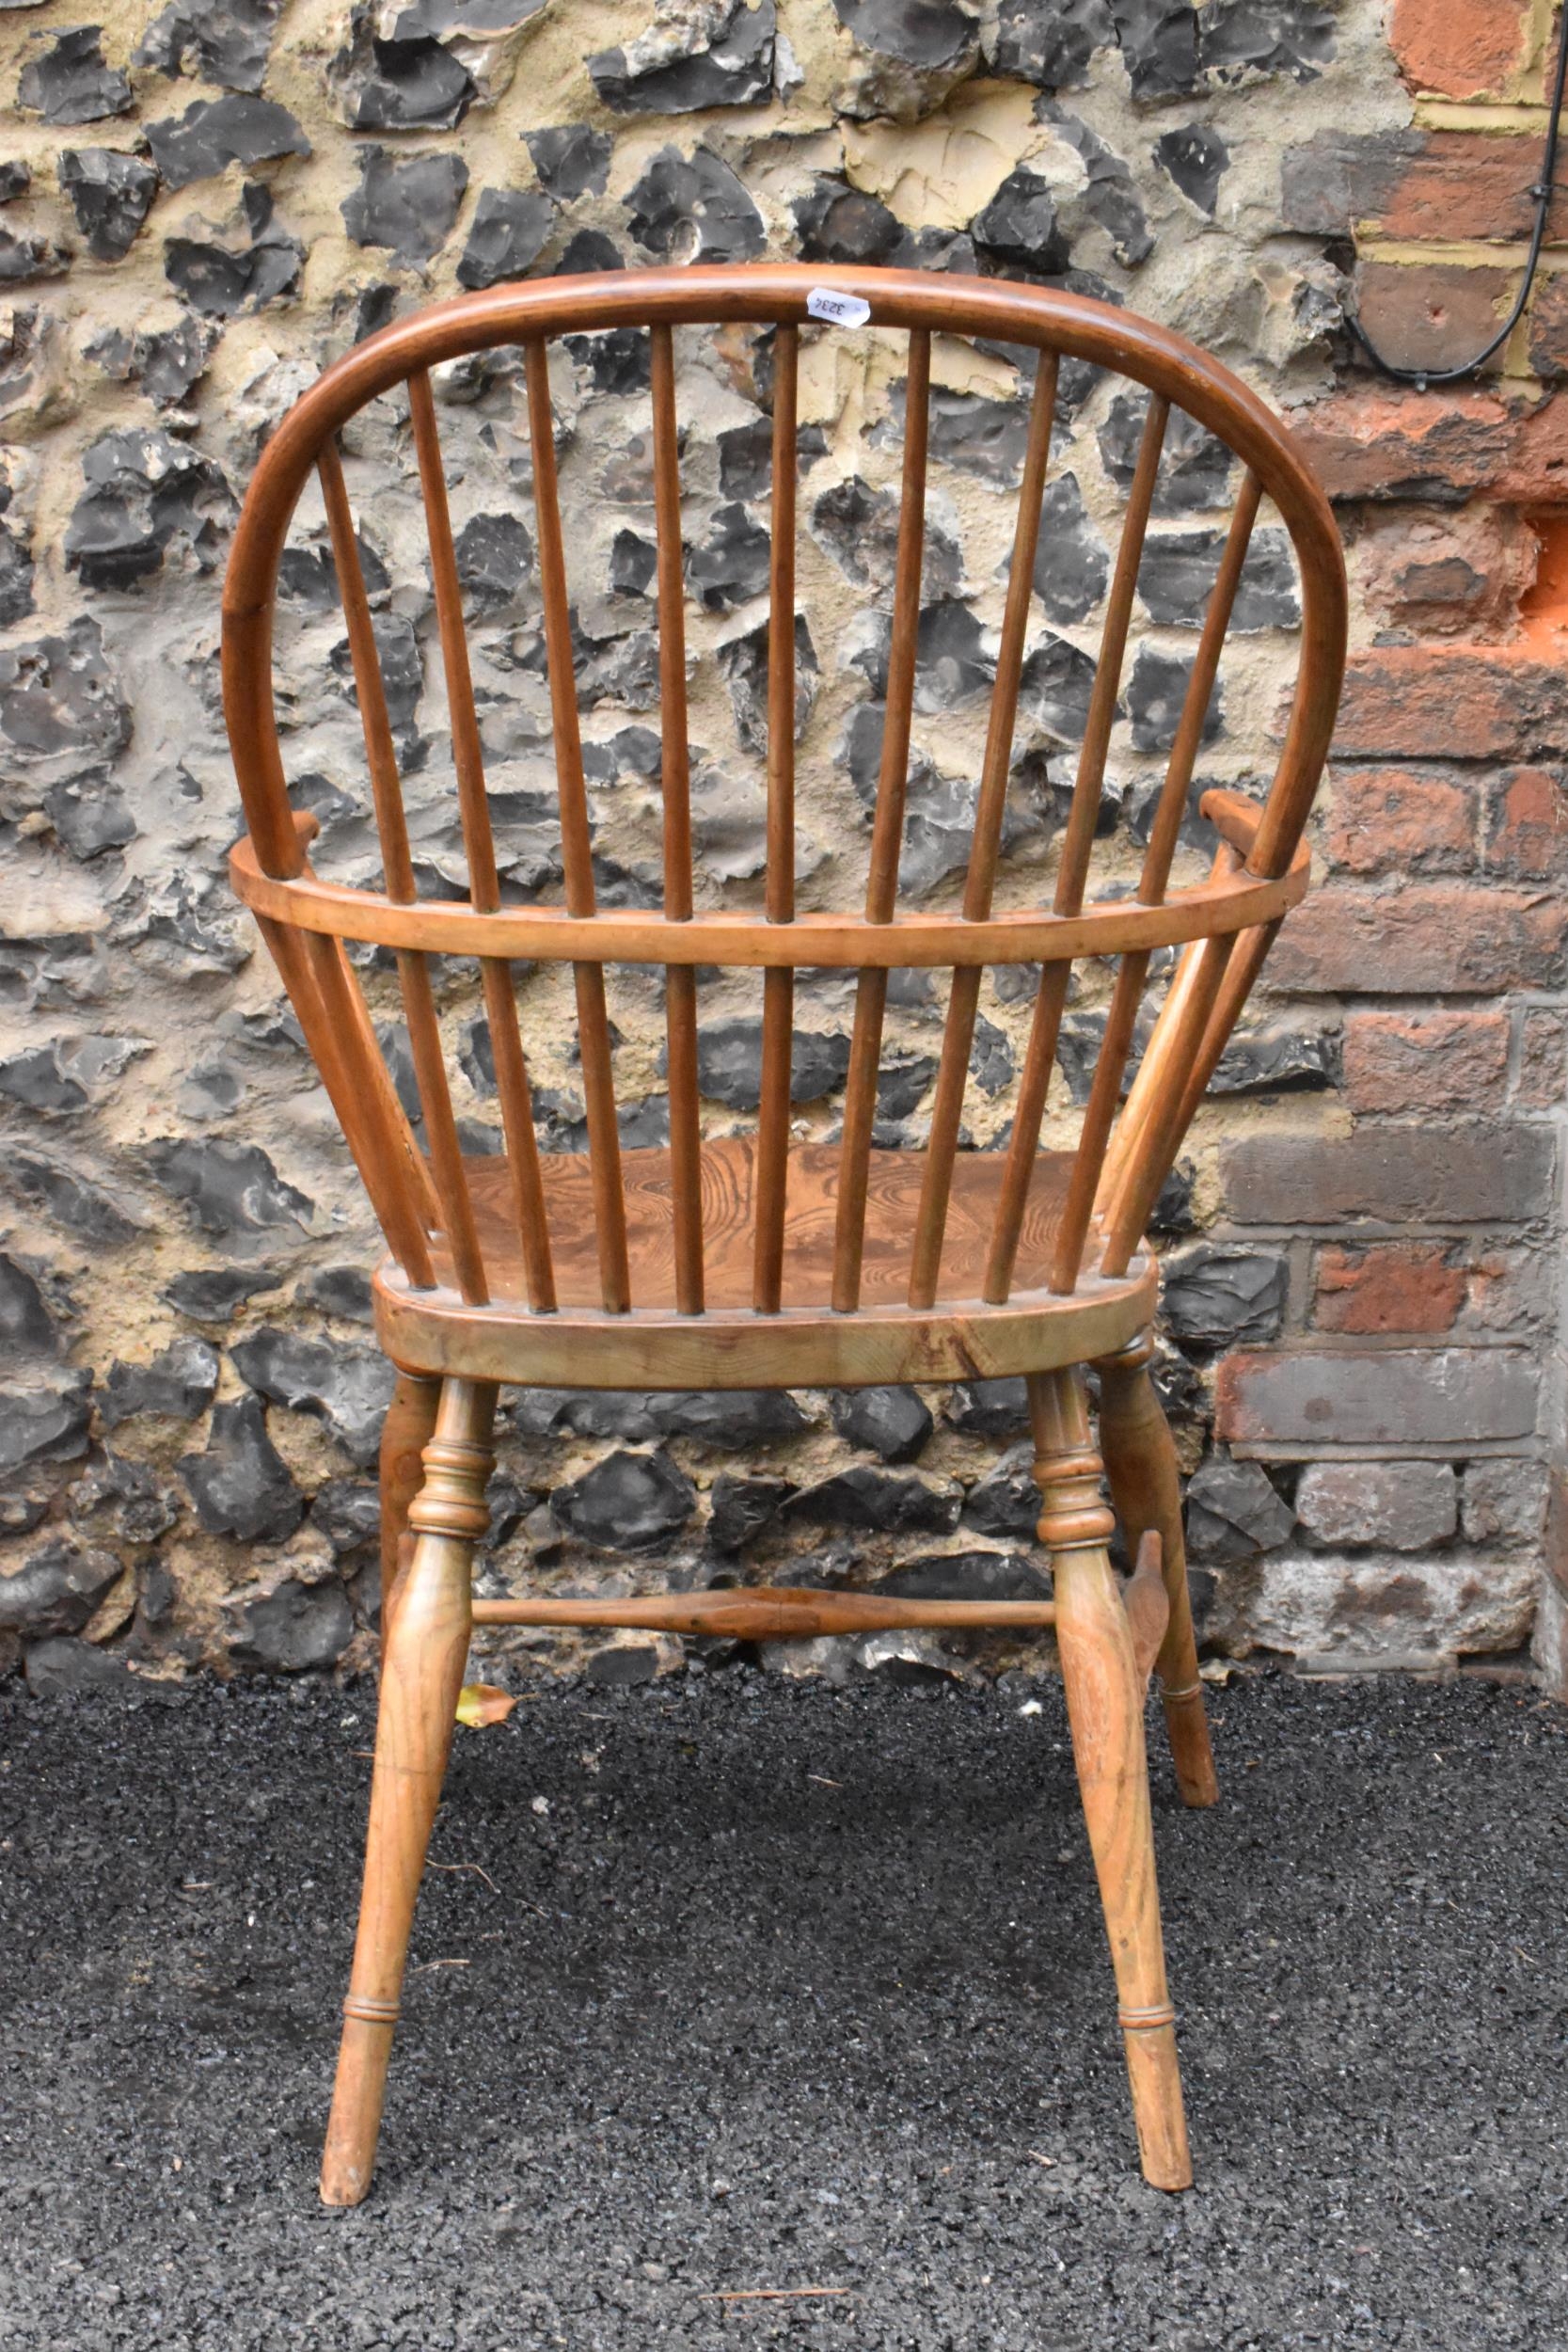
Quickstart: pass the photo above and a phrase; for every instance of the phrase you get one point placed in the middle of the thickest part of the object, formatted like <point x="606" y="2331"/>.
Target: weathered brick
<point x="1547" y="341"/>
<point x="1527" y="824"/>
<point x="1425" y="1061"/>
<point x="1542" y="1058"/>
<point x="1398" y="1506"/>
<point x="1402" y="1289"/>
<point x="1417" y="314"/>
<point x="1430" y="939"/>
<point x="1464" y="702"/>
<point x="1441" y="185"/>
<point x="1389" y="1609"/>
<point x="1504" y="1502"/>
<point x="1377" y="1396"/>
<point x="1549" y="1646"/>
<point x="1493" y="1170"/>
<point x="1510" y="1291"/>
<point x="1433" y="571"/>
<point x="1386" y="821"/>
<point x="1393" y="443"/>
<point x="1479" y="50"/>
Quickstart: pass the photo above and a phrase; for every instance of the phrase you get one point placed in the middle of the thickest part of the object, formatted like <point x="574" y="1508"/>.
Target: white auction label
<point x="838" y="309"/>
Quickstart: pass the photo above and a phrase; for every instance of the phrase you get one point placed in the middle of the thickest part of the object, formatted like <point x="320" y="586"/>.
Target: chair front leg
<point x="1140" y="1464"/>
<point x="1105" y="1697"/>
<point x="425" y="1649"/>
<point x="409" y="1426"/>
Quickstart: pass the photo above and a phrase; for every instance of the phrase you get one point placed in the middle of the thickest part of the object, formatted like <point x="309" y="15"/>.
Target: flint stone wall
<point x="202" y="203"/>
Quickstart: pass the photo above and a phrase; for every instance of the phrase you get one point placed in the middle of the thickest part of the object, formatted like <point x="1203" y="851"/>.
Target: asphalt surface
<point x="728" y="1983"/>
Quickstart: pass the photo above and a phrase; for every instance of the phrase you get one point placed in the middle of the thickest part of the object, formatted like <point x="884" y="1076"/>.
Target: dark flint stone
<point x="1050" y="42"/>
<point x="343" y="1291"/>
<point x="222" y="41"/>
<point x="834" y="222"/>
<point x="40" y="1080"/>
<point x="743" y="664"/>
<point x="571" y="158"/>
<point x="859" y="526"/>
<point x="1006" y="1502"/>
<point x="1172" y="1212"/>
<point x="618" y="361"/>
<point x="58" y="1589"/>
<point x="1216" y="1293"/>
<point x="511" y="229"/>
<point x="1275" y="1056"/>
<point x="348" y="1512"/>
<point x="588" y="251"/>
<point x="26" y="1325"/>
<point x="864" y="1497"/>
<point x="746" y="460"/>
<point x="228" y="1187"/>
<point x="1072" y="563"/>
<point x="732" y="1419"/>
<point x="165" y="363"/>
<point x="15" y="180"/>
<point x="929" y="33"/>
<point x="976" y="435"/>
<point x="1158" y="40"/>
<point x="410" y="207"/>
<point x="220" y="280"/>
<point x="1237" y="38"/>
<point x="902" y="1081"/>
<point x="20" y="1514"/>
<point x="990" y="1057"/>
<point x="241" y="1484"/>
<point x="739" y="1509"/>
<point x="585" y="1412"/>
<point x="82" y="1207"/>
<point x="62" y="1668"/>
<point x="732" y="66"/>
<point x="407" y="83"/>
<point x="695" y="211"/>
<point x="1055" y="687"/>
<point x="89" y="815"/>
<point x="1195" y="157"/>
<point x="729" y="1063"/>
<point x="215" y="1294"/>
<point x="397" y="645"/>
<point x="67" y="81"/>
<point x="1195" y="467"/>
<point x="1155" y="694"/>
<point x="633" y="563"/>
<point x="952" y="663"/>
<point x="181" y="1383"/>
<point x="127" y="1497"/>
<point x="1194" y="832"/>
<point x="16" y="577"/>
<point x="989" y="1409"/>
<point x="966" y="1576"/>
<point x="24" y="258"/>
<point x="1109" y="199"/>
<point x="626" y="1503"/>
<point x="59" y="697"/>
<point x="894" y="1422"/>
<point x="46" y="1420"/>
<point x="732" y="566"/>
<point x="214" y="132"/>
<point x="619" y="1665"/>
<point x="1019" y="225"/>
<point x="347" y="1387"/>
<point x="1178" y="568"/>
<point x="299" y="1628"/>
<point x="1234" y="1511"/>
<point x="144" y="491"/>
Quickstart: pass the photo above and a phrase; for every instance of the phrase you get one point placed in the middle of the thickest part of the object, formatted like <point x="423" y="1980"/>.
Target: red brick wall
<point x="1420" y="1338"/>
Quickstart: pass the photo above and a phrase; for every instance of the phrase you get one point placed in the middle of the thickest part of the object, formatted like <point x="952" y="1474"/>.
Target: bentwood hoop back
<point x="772" y="1258"/>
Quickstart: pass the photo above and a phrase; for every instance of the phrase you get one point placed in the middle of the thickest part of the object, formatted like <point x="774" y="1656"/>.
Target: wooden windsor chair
<point x="758" y="1261"/>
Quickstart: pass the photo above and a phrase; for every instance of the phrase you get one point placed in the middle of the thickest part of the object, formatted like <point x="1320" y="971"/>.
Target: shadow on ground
<point x="732" y="1984"/>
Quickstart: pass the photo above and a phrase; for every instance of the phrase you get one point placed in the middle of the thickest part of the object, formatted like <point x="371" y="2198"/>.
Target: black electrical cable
<point x="1544" y="190"/>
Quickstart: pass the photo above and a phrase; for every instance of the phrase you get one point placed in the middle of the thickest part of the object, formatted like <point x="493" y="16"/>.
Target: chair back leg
<point x="425" y="1650"/>
<point x="1105" y="1697"/>
<point x="1140" y="1464"/>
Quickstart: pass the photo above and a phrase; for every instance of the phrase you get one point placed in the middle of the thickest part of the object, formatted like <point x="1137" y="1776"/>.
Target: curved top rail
<point x="765" y="293"/>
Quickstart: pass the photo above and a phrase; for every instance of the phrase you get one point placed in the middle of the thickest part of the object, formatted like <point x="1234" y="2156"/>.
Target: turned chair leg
<point x="1140" y="1464"/>
<point x="425" y="1649"/>
<point x="1105" y="1696"/>
<point x="409" y="1426"/>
